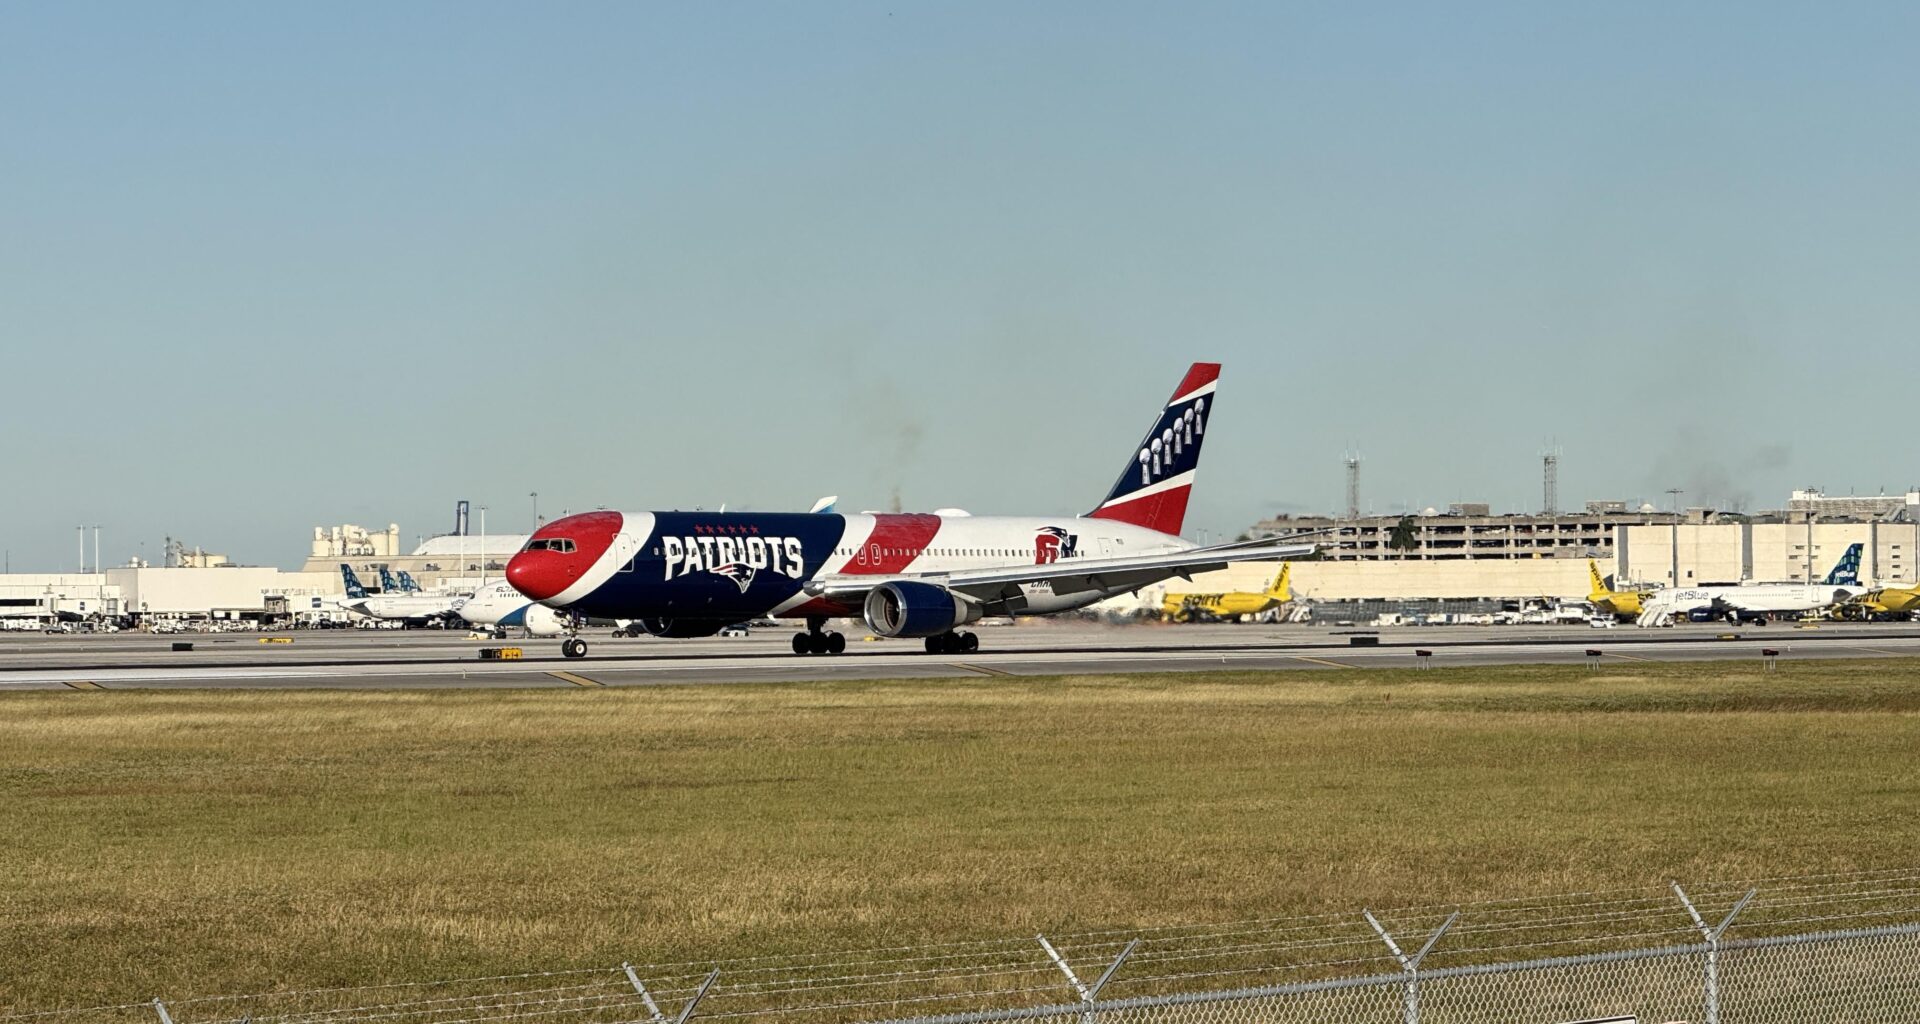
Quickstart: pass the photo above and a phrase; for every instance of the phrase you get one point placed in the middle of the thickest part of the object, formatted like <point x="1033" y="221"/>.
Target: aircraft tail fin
<point x="407" y="584"/>
<point x="1158" y="478"/>
<point x="354" y="589"/>
<point x="387" y="585"/>
<point x="1600" y="588"/>
<point x="1846" y="573"/>
<point x="1282" y="588"/>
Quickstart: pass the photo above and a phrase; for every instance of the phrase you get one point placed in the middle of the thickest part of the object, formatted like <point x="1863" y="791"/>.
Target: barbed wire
<point x="1165" y="959"/>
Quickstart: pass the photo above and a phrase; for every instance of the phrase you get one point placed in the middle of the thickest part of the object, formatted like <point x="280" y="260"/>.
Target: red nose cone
<point x="562" y="553"/>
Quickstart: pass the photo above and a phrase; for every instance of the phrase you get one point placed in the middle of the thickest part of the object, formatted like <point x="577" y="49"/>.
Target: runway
<point x="424" y="659"/>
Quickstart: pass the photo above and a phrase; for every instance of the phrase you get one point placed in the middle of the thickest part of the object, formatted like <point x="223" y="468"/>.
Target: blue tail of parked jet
<point x="407" y="584"/>
<point x="354" y="589"/>
<point x="1847" y="573"/>
<point x="387" y="585"/>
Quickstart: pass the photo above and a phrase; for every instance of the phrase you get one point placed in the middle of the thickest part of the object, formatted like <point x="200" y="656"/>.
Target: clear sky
<point x="268" y="266"/>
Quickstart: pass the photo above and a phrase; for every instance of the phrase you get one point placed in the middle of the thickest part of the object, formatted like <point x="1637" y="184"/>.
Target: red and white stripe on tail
<point x="1153" y="488"/>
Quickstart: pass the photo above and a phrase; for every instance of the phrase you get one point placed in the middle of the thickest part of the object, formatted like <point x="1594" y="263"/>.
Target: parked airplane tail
<point x="1153" y="488"/>
<point x="1282" y="589"/>
<point x="354" y="589"/>
<point x="407" y="584"/>
<point x="1847" y="572"/>
<point x="387" y="585"/>
<point x="1600" y="587"/>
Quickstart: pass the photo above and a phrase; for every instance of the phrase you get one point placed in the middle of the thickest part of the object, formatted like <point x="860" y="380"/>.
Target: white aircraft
<point x="498" y="606"/>
<point x="1756" y="602"/>
<point x="412" y="608"/>
<point x="691" y="574"/>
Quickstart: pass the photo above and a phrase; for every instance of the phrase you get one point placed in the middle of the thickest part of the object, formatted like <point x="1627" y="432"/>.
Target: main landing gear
<point x="574" y="647"/>
<point x="813" y="641"/>
<point x="953" y="643"/>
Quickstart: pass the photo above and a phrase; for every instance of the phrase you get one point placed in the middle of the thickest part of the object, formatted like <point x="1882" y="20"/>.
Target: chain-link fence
<point x="1838" y="948"/>
<point x="1828" y="978"/>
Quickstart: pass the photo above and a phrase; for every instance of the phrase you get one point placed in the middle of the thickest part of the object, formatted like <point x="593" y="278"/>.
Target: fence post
<point x="687" y="1010"/>
<point x="1712" y="935"/>
<point x="1410" y="964"/>
<point x="1088" y="993"/>
<point x="633" y="978"/>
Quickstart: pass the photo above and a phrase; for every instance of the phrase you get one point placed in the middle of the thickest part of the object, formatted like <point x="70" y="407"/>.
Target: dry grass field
<point x="198" y="842"/>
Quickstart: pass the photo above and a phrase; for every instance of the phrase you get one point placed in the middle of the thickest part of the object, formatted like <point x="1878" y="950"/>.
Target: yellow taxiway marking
<point x="982" y="669"/>
<point x="85" y="684"/>
<point x="1318" y="661"/>
<point x="576" y="680"/>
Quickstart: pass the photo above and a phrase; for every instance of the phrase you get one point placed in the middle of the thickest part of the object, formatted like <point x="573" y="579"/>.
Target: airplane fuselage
<point x="733" y="566"/>
<point x="1758" y="598"/>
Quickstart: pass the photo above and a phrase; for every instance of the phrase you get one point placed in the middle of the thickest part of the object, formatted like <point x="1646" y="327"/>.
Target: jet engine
<point x="682" y="629"/>
<point x="906" y="608"/>
<point x="544" y="621"/>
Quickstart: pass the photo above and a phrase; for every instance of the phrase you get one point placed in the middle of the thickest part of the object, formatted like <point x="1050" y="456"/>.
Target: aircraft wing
<point x="1073" y="576"/>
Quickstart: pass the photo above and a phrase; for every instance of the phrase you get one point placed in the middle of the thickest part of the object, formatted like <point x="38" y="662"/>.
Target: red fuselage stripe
<point x="895" y="542"/>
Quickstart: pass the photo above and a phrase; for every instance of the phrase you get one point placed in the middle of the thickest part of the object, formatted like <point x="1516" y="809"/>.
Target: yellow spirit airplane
<point x="1885" y="601"/>
<point x="1622" y="604"/>
<point x="1228" y="607"/>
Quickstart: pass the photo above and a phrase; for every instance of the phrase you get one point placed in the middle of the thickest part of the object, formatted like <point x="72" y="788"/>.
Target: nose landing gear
<point x="574" y="647"/>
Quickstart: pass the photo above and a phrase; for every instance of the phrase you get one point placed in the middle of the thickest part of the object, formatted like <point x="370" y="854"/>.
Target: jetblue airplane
<point x="409" y="608"/>
<point x="1755" y="602"/>
<point x="690" y="574"/>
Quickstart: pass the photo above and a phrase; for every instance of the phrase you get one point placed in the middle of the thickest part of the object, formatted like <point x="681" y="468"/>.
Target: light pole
<point x="1673" y="566"/>
<point x="483" y="546"/>
<point x="96" y="547"/>
<point x="80" y="536"/>
<point x="535" y="495"/>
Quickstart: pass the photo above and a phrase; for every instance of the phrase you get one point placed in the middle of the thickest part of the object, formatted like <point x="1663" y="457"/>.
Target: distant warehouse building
<point x="1732" y="552"/>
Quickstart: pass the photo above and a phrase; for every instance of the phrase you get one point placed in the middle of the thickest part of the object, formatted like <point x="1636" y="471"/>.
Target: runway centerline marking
<point x="84" y="684"/>
<point x="1319" y="661"/>
<point x="982" y="669"/>
<point x="576" y="680"/>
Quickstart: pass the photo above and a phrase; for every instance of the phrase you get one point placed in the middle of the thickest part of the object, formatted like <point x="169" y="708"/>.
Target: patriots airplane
<point x="691" y="574"/>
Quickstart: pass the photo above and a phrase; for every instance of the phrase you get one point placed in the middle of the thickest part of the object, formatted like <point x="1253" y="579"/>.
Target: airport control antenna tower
<point x="1353" y="485"/>
<point x="1550" y="482"/>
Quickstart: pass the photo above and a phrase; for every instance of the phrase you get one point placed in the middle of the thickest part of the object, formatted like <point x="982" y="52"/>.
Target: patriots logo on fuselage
<point x="1051" y="544"/>
<point x="739" y="572"/>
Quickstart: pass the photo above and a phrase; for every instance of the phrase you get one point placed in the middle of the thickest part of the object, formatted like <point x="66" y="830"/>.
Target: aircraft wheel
<point x="935" y="645"/>
<point x="802" y="643"/>
<point x="836" y="644"/>
<point x="574" y="648"/>
<point x="969" y="643"/>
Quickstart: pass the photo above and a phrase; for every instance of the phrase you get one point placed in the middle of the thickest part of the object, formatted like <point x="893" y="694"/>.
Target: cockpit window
<point x="562" y="545"/>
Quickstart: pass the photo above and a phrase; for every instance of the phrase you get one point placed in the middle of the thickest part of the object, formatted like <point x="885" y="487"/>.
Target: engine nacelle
<point x="906" y="608"/>
<point x="544" y="621"/>
<point x="682" y="629"/>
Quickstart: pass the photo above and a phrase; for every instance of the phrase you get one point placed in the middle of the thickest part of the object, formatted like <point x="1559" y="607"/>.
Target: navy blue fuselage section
<point x="712" y="565"/>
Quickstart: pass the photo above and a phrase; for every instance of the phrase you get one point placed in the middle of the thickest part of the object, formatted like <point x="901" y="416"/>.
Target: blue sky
<point x="267" y="266"/>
